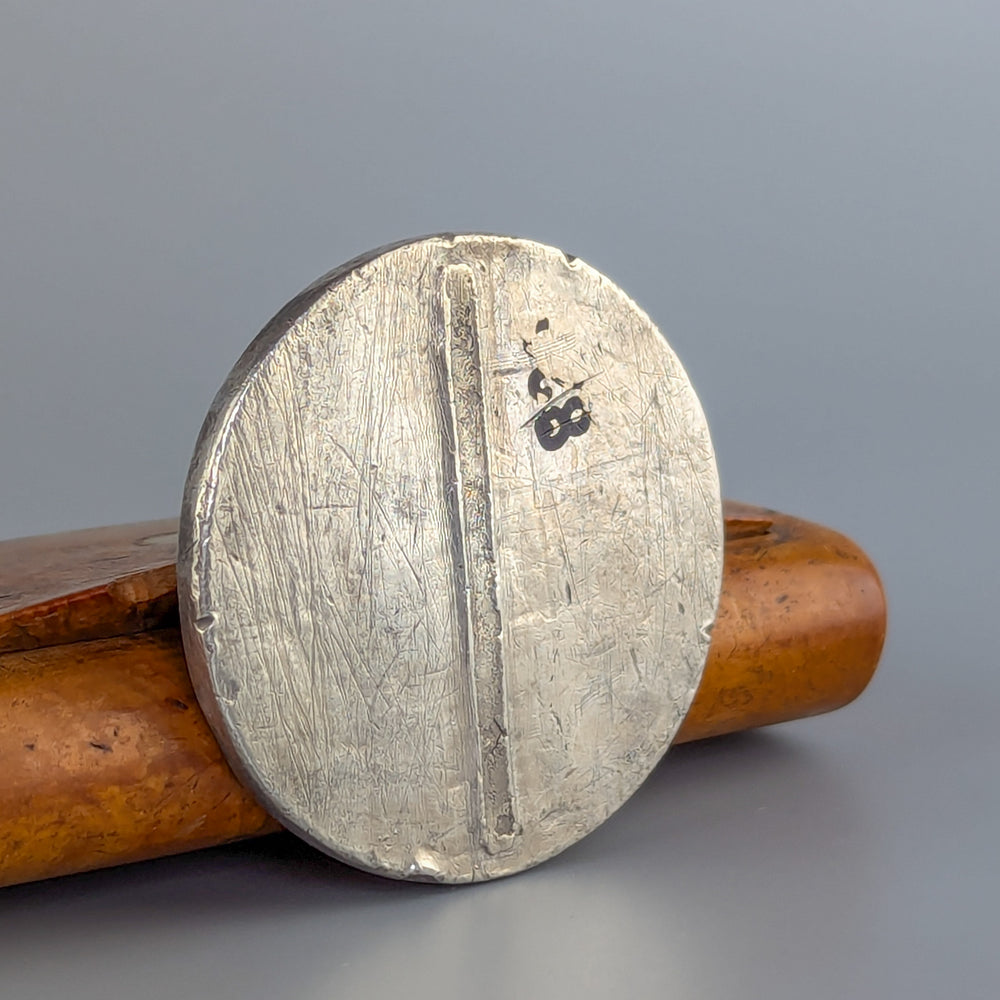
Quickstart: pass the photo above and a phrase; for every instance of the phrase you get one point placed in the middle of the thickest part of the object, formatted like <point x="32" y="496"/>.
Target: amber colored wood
<point x="106" y="758"/>
<point x="87" y="584"/>
<point x="800" y="628"/>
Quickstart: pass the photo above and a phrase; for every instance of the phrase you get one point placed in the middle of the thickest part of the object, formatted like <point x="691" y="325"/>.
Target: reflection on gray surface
<point x="773" y="862"/>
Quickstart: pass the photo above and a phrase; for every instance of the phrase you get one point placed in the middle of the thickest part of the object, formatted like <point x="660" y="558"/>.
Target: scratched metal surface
<point x="450" y="557"/>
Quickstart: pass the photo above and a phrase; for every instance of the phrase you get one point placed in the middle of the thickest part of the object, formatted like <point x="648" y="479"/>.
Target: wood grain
<point x="88" y="584"/>
<point x="107" y="758"/>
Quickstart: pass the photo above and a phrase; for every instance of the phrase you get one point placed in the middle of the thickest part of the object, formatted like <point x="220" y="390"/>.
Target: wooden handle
<point x="106" y="758"/>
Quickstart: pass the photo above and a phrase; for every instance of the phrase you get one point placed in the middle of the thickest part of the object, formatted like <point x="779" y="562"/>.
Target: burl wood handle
<point x="106" y="758"/>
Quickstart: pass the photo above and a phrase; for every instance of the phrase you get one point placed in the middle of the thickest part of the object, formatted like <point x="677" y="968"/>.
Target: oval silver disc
<point x="450" y="557"/>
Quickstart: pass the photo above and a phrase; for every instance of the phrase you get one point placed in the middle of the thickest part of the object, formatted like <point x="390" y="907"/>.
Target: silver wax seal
<point x="450" y="557"/>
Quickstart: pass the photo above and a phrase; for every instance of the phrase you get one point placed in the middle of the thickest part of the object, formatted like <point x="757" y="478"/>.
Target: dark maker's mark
<point x="471" y="514"/>
<point x="562" y="418"/>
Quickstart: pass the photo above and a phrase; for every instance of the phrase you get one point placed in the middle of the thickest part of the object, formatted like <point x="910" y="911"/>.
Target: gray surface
<point x="803" y="196"/>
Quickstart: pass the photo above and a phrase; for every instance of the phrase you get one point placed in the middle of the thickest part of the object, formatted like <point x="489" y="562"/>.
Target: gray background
<point x="803" y="195"/>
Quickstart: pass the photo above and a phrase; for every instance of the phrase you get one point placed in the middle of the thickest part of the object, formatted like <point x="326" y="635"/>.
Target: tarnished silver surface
<point x="450" y="556"/>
